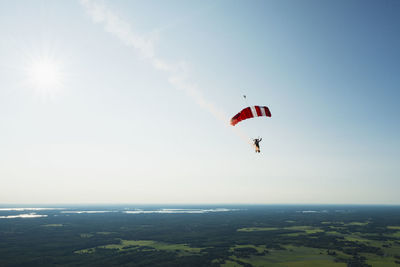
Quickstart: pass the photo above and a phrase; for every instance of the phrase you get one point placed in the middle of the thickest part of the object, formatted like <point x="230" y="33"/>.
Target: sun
<point x="45" y="75"/>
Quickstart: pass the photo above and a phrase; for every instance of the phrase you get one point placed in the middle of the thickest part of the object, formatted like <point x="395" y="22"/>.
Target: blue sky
<point x="130" y="101"/>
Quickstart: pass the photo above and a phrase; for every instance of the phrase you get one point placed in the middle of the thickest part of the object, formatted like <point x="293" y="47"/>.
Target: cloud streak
<point x="116" y="26"/>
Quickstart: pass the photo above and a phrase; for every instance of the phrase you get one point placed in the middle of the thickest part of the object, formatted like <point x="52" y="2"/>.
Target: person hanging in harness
<point x="257" y="144"/>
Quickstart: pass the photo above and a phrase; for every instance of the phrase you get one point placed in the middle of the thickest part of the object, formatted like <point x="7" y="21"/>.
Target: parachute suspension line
<point x="250" y="140"/>
<point x="245" y="100"/>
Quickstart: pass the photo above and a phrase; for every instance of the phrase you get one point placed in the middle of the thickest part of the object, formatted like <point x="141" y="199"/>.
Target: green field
<point x="253" y="229"/>
<point x="302" y="228"/>
<point x="86" y="235"/>
<point x="105" y="233"/>
<point x="289" y="256"/>
<point x="378" y="261"/>
<point x="259" y="249"/>
<point x="357" y="223"/>
<point x="126" y="245"/>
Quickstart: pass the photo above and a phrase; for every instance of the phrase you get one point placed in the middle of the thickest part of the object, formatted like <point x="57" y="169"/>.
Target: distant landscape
<point x="226" y="235"/>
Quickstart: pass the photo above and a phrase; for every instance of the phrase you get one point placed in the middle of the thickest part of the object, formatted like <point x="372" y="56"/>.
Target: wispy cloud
<point x="115" y="25"/>
<point x="118" y="27"/>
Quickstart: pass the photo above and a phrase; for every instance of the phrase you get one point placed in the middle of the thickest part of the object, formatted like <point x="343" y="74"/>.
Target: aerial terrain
<point x="258" y="235"/>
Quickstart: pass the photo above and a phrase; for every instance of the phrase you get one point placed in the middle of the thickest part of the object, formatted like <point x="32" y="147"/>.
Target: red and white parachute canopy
<point x="250" y="112"/>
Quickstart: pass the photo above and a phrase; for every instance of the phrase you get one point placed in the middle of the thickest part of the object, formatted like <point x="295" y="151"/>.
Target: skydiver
<point x="257" y="144"/>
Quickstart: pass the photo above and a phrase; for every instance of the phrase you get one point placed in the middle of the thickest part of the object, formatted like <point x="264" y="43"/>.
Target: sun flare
<point x="45" y="75"/>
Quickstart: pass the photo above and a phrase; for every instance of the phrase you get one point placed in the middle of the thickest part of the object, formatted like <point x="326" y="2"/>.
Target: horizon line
<point x="198" y="204"/>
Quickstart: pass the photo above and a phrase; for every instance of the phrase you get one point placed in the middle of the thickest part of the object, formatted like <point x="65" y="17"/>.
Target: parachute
<point x="250" y="112"/>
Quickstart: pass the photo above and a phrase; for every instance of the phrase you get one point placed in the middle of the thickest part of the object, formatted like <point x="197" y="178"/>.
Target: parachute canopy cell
<point x="250" y="112"/>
